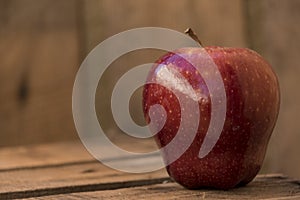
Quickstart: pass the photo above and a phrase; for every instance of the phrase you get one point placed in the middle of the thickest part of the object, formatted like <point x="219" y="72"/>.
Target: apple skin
<point x="253" y="100"/>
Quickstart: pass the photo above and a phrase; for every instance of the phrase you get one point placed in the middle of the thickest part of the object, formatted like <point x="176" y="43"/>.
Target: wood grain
<point x="62" y="153"/>
<point x="43" y="155"/>
<point x="67" y="167"/>
<point x="263" y="187"/>
<point x="66" y="170"/>
<point x="72" y="178"/>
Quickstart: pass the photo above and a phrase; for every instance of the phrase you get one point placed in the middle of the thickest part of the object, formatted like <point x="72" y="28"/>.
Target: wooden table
<point x="67" y="171"/>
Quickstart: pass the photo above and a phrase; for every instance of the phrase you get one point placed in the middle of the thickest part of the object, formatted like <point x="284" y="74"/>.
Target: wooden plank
<point x="72" y="178"/>
<point x="263" y="187"/>
<point x="67" y="167"/>
<point x="63" y="153"/>
<point x="20" y="157"/>
<point x="57" y="169"/>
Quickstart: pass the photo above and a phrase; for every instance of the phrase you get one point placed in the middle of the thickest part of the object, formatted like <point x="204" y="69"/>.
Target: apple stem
<point x="192" y="34"/>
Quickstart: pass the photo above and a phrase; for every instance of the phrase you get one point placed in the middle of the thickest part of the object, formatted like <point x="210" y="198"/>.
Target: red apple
<point x="253" y="99"/>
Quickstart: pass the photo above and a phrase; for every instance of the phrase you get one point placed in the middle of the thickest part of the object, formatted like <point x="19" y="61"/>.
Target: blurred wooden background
<point x="43" y="42"/>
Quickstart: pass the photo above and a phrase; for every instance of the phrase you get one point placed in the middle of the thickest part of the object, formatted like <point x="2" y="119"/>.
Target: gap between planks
<point x="63" y="168"/>
<point x="26" y="174"/>
<point x="263" y="187"/>
<point x="80" y="188"/>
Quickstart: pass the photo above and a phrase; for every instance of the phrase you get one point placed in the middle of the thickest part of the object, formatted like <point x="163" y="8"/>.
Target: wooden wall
<point x="43" y="42"/>
<point x="39" y="51"/>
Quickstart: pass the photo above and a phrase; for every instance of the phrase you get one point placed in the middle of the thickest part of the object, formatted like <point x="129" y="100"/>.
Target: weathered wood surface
<point x="66" y="170"/>
<point x="271" y="188"/>
<point x="63" y="153"/>
<point x="42" y="155"/>
<point x="73" y="178"/>
<point x="42" y="44"/>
